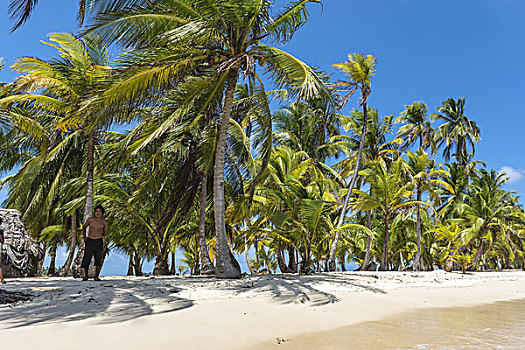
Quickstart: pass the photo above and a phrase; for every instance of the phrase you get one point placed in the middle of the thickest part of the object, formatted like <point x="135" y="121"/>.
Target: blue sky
<point x="427" y="50"/>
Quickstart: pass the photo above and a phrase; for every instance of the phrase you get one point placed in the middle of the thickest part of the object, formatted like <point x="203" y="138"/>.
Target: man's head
<point x="99" y="211"/>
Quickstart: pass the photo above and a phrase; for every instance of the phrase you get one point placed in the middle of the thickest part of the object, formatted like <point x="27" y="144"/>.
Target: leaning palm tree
<point x="457" y="130"/>
<point x="360" y="70"/>
<point x="417" y="127"/>
<point x="217" y="40"/>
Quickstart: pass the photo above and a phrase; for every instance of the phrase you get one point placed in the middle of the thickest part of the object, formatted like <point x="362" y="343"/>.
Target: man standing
<point x="1" y="253"/>
<point x="94" y="244"/>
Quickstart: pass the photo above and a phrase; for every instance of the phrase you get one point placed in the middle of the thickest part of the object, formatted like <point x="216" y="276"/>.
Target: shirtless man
<point x="98" y="229"/>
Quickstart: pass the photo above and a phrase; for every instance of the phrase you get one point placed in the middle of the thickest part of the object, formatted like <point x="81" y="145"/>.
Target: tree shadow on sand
<point x="291" y="288"/>
<point x="111" y="301"/>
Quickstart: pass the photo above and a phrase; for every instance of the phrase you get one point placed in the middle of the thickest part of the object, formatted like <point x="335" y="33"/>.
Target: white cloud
<point x="514" y="175"/>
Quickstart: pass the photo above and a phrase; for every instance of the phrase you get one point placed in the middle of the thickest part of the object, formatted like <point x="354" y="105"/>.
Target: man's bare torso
<point x="98" y="227"/>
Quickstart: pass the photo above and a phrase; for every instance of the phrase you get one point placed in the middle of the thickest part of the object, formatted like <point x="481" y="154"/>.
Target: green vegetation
<point x="210" y="167"/>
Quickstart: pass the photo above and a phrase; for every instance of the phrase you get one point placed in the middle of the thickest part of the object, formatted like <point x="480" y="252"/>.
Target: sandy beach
<point x="255" y="312"/>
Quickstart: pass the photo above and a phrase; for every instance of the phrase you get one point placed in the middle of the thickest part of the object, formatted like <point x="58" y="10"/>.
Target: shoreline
<point x="200" y="312"/>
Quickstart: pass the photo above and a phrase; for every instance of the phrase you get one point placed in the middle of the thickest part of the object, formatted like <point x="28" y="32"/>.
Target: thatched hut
<point x="21" y="252"/>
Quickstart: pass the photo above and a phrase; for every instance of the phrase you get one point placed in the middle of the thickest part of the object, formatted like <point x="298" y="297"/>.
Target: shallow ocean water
<point x="494" y="326"/>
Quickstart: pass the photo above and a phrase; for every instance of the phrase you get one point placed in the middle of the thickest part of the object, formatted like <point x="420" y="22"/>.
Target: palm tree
<point x="390" y="196"/>
<point x="222" y="38"/>
<point x="457" y="130"/>
<point x="360" y="70"/>
<point x="424" y="176"/>
<point x="302" y="127"/>
<point x="417" y="127"/>
<point x="68" y="87"/>
<point x="483" y="210"/>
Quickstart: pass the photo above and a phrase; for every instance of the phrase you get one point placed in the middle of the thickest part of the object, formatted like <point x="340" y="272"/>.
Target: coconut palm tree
<point x="68" y="87"/>
<point x="425" y="178"/>
<point x="360" y="70"/>
<point x="483" y="210"/>
<point x="222" y="38"/>
<point x="391" y="194"/>
<point x="457" y="130"/>
<point x="417" y="127"/>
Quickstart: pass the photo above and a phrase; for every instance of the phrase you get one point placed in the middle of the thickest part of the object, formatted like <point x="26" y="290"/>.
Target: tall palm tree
<point x="424" y="176"/>
<point x="222" y="38"/>
<point x="417" y="127"/>
<point x="391" y="194"/>
<point x="69" y="88"/>
<point x="456" y="130"/>
<point x="360" y="70"/>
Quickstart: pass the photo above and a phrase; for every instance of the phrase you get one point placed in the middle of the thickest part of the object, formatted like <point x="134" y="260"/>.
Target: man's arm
<point x="1" y="237"/>
<point x="86" y="224"/>
<point x="105" y="228"/>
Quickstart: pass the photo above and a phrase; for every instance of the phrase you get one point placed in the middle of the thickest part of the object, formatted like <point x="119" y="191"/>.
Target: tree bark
<point x="52" y="268"/>
<point x="73" y="246"/>
<point x="41" y="261"/>
<point x="292" y="263"/>
<point x="282" y="262"/>
<point x="384" y="260"/>
<point x="364" y="265"/>
<point x="226" y="265"/>
<point x="417" y="260"/>
<point x="161" y="265"/>
<point x="130" y="265"/>
<point x="333" y="247"/>
<point x="88" y="205"/>
<point x="207" y="265"/>
<point x="479" y="253"/>
<point x="137" y="265"/>
<point x="247" y="256"/>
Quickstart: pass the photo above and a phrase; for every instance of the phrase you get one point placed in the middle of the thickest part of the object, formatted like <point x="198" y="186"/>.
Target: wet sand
<point x="500" y="325"/>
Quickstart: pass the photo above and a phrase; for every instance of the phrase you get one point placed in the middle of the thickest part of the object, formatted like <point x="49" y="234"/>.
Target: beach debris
<point x="280" y="341"/>
<point x="8" y="297"/>
<point x="21" y="252"/>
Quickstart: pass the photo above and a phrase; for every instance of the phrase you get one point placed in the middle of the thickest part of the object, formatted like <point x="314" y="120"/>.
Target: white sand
<point x="205" y="313"/>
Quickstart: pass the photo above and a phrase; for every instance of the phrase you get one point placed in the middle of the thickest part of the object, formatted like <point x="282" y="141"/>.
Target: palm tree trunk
<point x="226" y="265"/>
<point x="88" y="204"/>
<point x="384" y="261"/>
<point x="292" y="264"/>
<point x="417" y="261"/>
<point x="173" y="267"/>
<point x="479" y="253"/>
<point x="333" y="248"/>
<point x="206" y="264"/>
<point x="90" y="167"/>
<point x="459" y="151"/>
<point x="364" y="265"/>
<point x="130" y="265"/>
<point x="137" y="265"/>
<point x="41" y="261"/>
<point x="247" y="256"/>
<point x="73" y="245"/>
<point x="52" y="268"/>
<point x="161" y="264"/>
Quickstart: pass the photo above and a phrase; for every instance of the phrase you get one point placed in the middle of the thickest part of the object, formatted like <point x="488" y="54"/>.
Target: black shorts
<point x="94" y="247"/>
